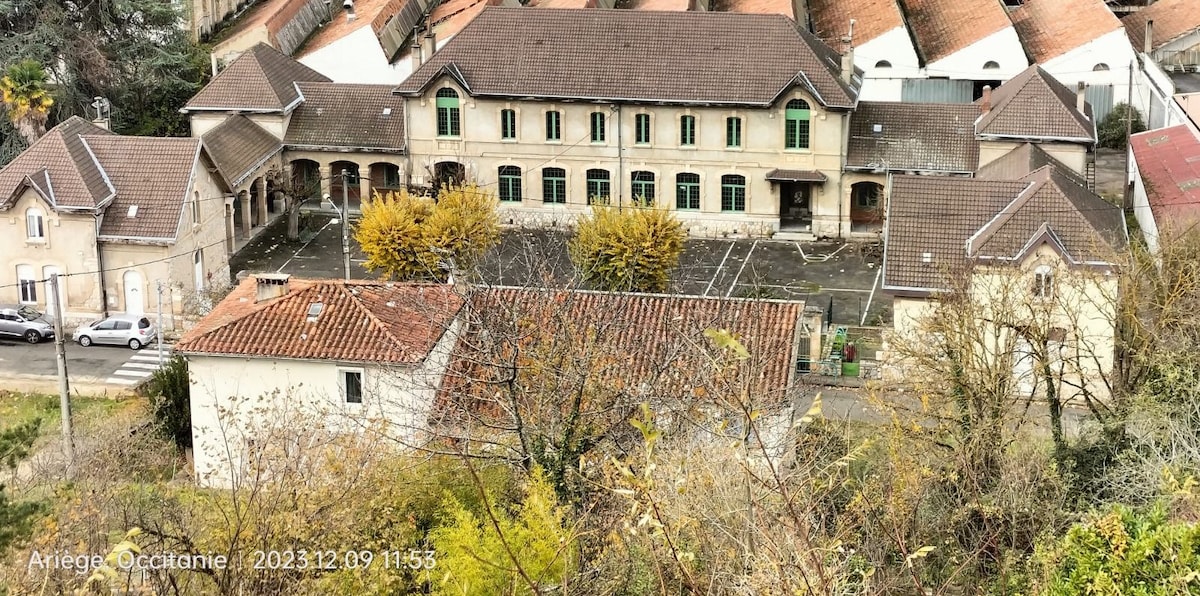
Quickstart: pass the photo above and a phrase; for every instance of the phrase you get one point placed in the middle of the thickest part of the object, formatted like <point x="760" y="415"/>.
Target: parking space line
<point x="742" y="268"/>
<point x="871" y="297"/>
<point x="121" y="381"/>
<point x="132" y="373"/>
<point x="304" y="246"/>
<point x="140" y="365"/>
<point x="720" y="268"/>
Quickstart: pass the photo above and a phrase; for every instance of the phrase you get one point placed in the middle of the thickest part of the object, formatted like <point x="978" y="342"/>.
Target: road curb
<point x="48" y="385"/>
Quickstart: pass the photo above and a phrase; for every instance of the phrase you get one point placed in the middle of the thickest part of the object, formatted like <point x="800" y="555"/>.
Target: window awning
<point x="796" y="176"/>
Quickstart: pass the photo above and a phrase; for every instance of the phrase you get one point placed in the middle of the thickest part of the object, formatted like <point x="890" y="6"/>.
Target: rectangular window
<point x="687" y="191"/>
<point x="643" y="187"/>
<point x="510" y="183"/>
<point x="508" y="124"/>
<point x="350" y="382"/>
<point x="733" y="132"/>
<point x="796" y="126"/>
<point x="687" y="130"/>
<point x="553" y="126"/>
<point x="554" y="185"/>
<point x="641" y="125"/>
<point x="34" y="227"/>
<point x="733" y="193"/>
<point x="448" y="121"/>
<point x="27" y="286"/>
<point x="598" y="188"/>
<point x="598" y="127"/>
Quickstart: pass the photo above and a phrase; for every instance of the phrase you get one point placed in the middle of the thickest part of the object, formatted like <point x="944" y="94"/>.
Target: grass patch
<point x="19" y="408"/>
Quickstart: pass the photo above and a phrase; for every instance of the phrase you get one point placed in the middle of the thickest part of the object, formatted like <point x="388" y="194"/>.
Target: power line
<point x="111" y="269"/>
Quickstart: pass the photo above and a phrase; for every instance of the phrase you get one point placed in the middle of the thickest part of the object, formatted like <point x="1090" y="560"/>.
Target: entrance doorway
<point x="448" y="173"/>
<point x="135" y="303"/>
<point x="795" y="206"/>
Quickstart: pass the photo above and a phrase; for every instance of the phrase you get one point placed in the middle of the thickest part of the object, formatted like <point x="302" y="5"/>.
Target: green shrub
<point x="1112" y="129"/>
<point x="633" y="249"/>
<point x="169" y="392"/>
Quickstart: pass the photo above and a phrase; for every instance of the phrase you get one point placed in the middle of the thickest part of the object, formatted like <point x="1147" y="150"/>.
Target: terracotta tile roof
<point x="628" y="339"/>
<point x="154" y="174"/>
<point x="1172" y="19"/>
<point x="238" y="146"/>
<point x="1034" y="105"/>
<point x="359" y="321"/>
<point x="449" y="18"/>
<point x="562" y="4"/>
<point x="783" y="7"/>
<point x="943" y="27"/>
<point x="368" y="12"/>
<point x="260" y="79"/>
<point x="1051" y="28"/>
<point x="676" y="57"/>
<point x="1168" y="161"/>
<point x="1023" y="159"/>
<point x="872" y="18"/>
<point x="347" y="116"/>
<point x="665" y="5"/>
<point x="76" y="179"/>
<point x="914" y="136"/>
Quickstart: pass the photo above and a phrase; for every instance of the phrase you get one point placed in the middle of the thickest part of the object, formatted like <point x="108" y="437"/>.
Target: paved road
<point x="23" y="366"/>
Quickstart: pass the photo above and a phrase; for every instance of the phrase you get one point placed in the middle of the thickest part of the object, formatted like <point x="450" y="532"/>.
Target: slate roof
<point x="629" y="339"/>
<point x="1051" y="28"/>
<point x="238" y="146"/>
<point x="1168" y="161"/>
<point x="872" y="18"/>
<point x="261" y="79"/>
<point x="62" y="167"/>
<point x="1034" y="105"/>
<point x="915" y="136"/>
<point x="943" y="27"/>
<point x="608" y="55"/>
<point x="1022" y="160"/>
<point x="1172" y="19"/>
<point x="347" y="116"/>
<point x="360" y="321"/>
<point x="155" y="174"/>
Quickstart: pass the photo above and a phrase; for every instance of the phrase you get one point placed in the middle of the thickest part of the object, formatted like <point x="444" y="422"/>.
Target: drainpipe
<point x="620" y="162"/>
<point x="100" y="271"/>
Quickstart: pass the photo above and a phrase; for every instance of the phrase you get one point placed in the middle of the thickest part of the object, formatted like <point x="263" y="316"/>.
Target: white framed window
<point x="196" y="207"/>
<point x="26" y="285"/>
<point x="350" y="385"/>
<point x="1043" y="282"/>
<point x="35" y="224"/>
<point x="198" y="269"/>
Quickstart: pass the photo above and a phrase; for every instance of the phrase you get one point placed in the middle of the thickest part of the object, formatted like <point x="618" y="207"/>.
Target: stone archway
<point x="448" y="173"/>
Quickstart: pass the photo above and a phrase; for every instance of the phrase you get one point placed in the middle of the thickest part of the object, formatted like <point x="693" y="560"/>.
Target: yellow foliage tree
<point x="23" y="92"/>
<point x="631" y="249"/>
<point x="412" y="238"/>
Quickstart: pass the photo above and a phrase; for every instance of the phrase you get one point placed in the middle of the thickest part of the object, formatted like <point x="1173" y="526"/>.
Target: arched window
<point x="1100" y="66"/>
<point x="448" y="123"/>
<point x="26" y="285"/>
<point x="643" y="187"/>
<point x="554" y="185"/>
<point x="510" y="183"/>
<point x="883" y="64"/>
<point x="598" y="186"/>
<point x="687" y="191"/>
<point x="1043" y="282"/>
<point x="991" y="65"/>
<point x="733" y="192"/>
<point x="35" y="224"/>
<point x="796" y="125"/>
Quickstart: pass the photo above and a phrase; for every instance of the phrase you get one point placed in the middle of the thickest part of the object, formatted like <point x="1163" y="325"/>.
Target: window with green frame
<point x="796" y="124"/>
<point x="553" y="126"/>
<point x="510" y="184"/>
<point x="554" y="185"/>
<point x="508" y="124"/>
<point x="687" y="130"/>
<point x="641" y="129"/>
<point x="643" y="187"/>
<point x="733" y="192"/>
<point x="598" y="128"/>
<point x="733" y="132"/>
<point x="598" y="186"/>
<point x="448" y="123"/>
<point x="687" y="191"/>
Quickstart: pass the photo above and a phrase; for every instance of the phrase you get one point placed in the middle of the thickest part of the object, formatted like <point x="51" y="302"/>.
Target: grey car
<point x="26" y="323"/>
<point x="134" y="331"/>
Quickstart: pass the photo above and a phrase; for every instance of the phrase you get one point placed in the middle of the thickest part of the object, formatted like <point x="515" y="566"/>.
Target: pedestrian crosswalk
<point x="140" y="366"/>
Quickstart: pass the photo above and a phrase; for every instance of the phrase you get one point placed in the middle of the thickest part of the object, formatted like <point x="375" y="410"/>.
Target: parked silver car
<point x="134" y="331"/>
<point x="25" y="322"/>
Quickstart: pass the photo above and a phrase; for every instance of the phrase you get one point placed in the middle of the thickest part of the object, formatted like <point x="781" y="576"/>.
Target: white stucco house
<point x="879" y="40"/>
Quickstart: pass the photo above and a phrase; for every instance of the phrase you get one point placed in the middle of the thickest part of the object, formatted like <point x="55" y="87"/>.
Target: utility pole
<point x="620" y="164"/>
<point x="1127" y="197"/>
<point x="160" y="324"/>
<point x="345" y="222"/>
<point x="64" y="388"/>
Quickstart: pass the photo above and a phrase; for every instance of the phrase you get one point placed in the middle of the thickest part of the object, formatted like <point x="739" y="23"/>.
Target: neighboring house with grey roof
<point x="734" y="121"/>
<point x="110" y="214"/>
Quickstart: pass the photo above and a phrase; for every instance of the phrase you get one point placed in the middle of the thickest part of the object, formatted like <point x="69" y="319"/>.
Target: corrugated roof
<point x="237" y="146"/>
<point x="872" y="18"/>
<point x="155" y="174"/>
<point x="260" y="79"/>
<point x="349" y="116"/>
<point x="675" y="57"/>
<point x="913" y="136"/>
<point x="1035" y="105"/>
<point x="1172" y="19"/>
<point x="76" y="179"/>
<point x="1051" y="28"/>
<point x="943" y="27"/>
<point x="1168" y="161"/>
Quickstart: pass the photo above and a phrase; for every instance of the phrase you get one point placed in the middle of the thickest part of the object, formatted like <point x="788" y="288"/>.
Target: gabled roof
<point x="373" y="13"/>
<point x="625" y="339"/>
<point x="238" y="146"/>
<point x="261" y="79"/>
<point x="1051" y="28"/>
<point x="872" y="18"/>
<point x="1172" y="19"/>
<point x="154" y="174"/>
<point x="633" y="55"/>
<point x="943" y="27"/>
<point x="1034" y="105"/>
<point x="349" y="116"/>
<point x="358" y="321"/>
<point x="1168" y="161"/>
<point x="913" y="137"/>
<point x="1020" y="161"/>
<point x="62" y="167"/>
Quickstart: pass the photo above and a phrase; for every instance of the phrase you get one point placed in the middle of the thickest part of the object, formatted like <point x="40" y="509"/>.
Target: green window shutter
<point x="733" y="193"/>
<point x="510" y="184"/>
<point x="553" y="126"/>
<point x="687" y="130"/>
<point x="687" y="191"/>
<point x="508" y="124"/>
<point x="554" y="185"/>
<point x="733" y="132"/>
<point x="598" y="128"/>
<point x="642" y="128"/>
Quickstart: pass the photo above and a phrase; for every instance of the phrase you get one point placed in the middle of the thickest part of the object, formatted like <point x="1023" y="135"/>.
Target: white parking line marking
<point x="305" y="245"/>
<point x="132" y="373"/>
<point x="742" y="268"/>
<point x="720" y="268"/>
<point x="141" y="365"/>
<point x="120" y="381"/>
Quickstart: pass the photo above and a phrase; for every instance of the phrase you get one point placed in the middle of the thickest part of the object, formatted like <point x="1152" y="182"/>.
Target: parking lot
<point x="845" y="273"/>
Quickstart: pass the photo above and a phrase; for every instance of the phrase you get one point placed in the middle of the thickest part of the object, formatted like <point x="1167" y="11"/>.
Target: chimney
<point x="848" y="56"/>
<point x="1148" y="45"/>
<point x="985" y="102"/>
<point x="270" y="285"/>
<point x="430" y="45"/>
<point x="1080" y="101"/>
<point x="349" y="6"/>
<point x="416" y="55"/>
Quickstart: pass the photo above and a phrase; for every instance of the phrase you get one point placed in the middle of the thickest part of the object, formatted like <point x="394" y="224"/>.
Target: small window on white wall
<point x="350" y="385"/>
<point x="26" y="285"/>
<point x="196" y="207"/>
<point x="1099" y="67"/>
<point x="991" y="65"/>
<point x="35" y="224"/>
<point x="1043" y="282"/>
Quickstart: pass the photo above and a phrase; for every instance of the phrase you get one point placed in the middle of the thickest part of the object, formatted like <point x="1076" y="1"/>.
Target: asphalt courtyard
<point x="845" y="273"/>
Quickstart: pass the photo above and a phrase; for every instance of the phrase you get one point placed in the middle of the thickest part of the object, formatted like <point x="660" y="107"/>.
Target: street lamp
<point x="344" y="213"/>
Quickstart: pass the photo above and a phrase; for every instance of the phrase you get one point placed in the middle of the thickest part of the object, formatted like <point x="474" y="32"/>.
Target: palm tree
<point x="23" y="91"/>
